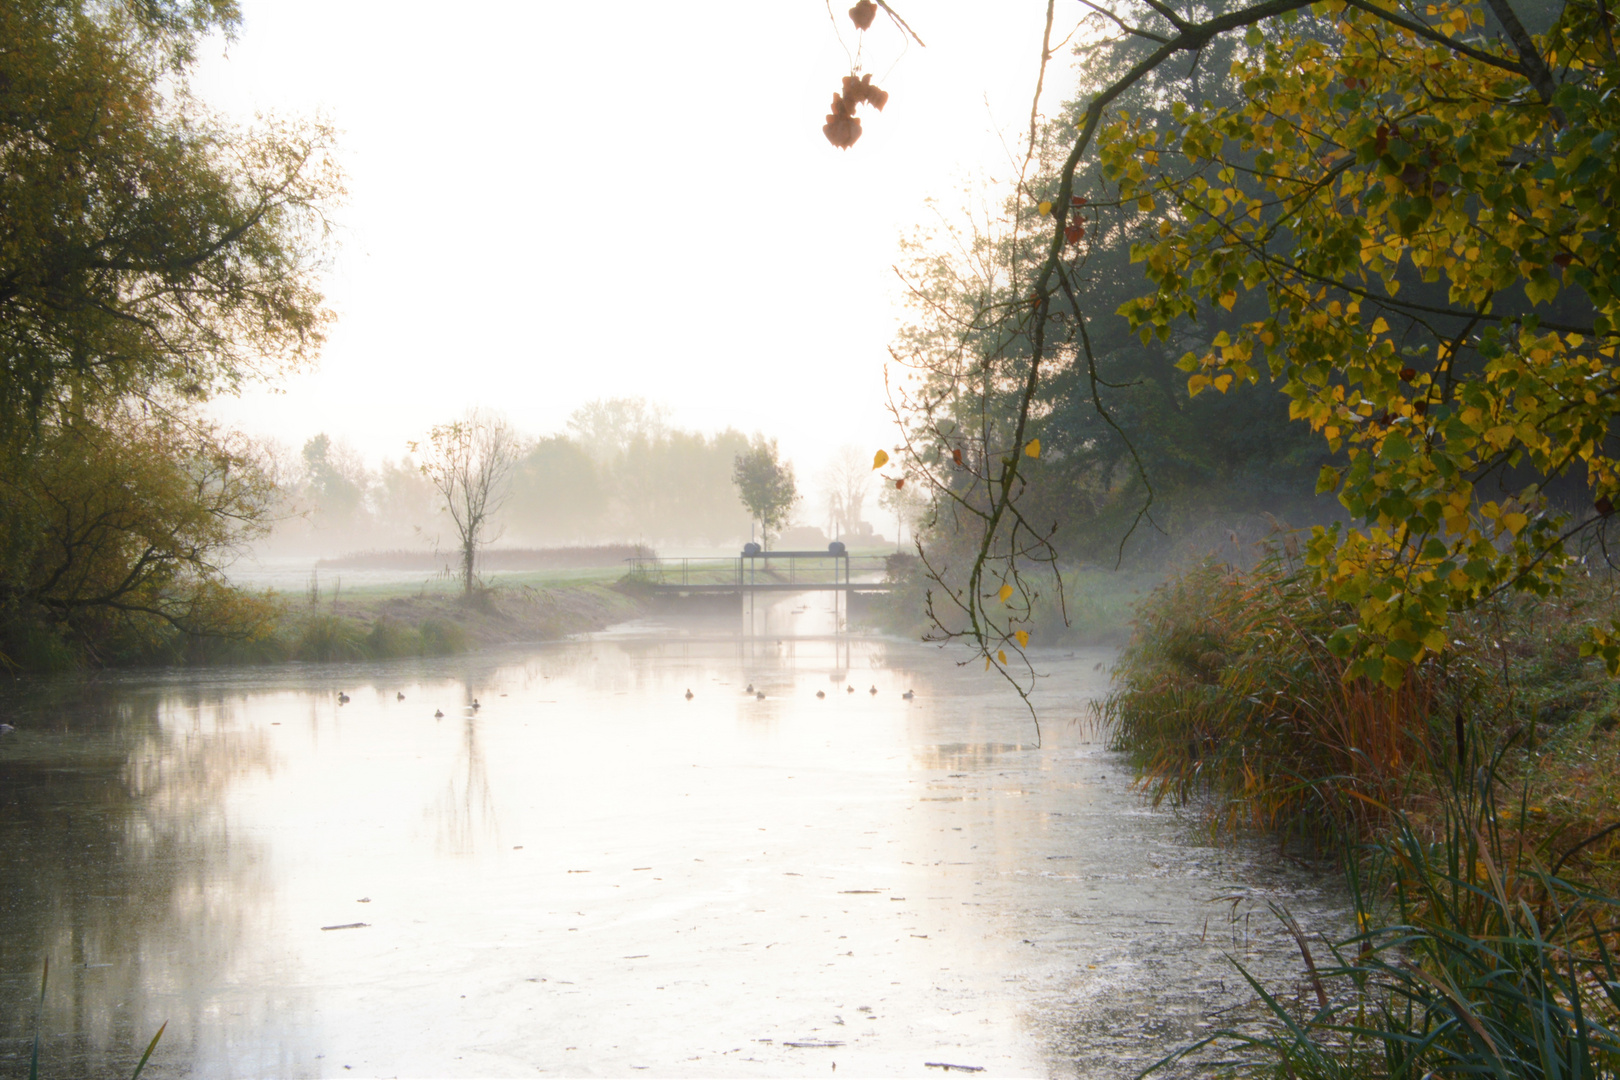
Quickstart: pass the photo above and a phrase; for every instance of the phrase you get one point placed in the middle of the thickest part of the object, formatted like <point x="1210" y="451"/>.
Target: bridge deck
<point x="872" y="587"/>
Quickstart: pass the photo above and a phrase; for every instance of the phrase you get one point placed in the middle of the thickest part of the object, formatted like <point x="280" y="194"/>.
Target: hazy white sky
<point x="555" y="202"/>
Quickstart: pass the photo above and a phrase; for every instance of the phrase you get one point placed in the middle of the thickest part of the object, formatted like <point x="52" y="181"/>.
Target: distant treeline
<point x="618" y="474"/>
<point x="557" y="558"/>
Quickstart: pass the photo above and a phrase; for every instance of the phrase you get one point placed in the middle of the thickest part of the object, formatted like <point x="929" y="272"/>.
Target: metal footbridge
<point x="759" y="571"/>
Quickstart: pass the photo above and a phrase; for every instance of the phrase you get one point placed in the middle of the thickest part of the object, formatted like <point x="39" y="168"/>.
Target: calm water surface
<point x="592" y="875"/>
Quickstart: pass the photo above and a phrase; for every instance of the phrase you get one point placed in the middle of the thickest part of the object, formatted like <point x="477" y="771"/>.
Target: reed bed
<point x="1227" y="693"/>
<point x="1473" y="809"/>
<point x="1475" y="958"/>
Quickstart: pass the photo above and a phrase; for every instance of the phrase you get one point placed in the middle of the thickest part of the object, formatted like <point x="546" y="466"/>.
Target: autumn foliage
<point x="843" y="127"/>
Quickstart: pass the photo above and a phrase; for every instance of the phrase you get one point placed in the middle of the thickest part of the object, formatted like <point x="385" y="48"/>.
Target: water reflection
<point x="590" y="873"/>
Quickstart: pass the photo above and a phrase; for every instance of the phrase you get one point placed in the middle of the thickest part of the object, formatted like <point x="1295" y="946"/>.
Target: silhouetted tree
<point x="470" y="463"/>
<point x="766" y="486"/>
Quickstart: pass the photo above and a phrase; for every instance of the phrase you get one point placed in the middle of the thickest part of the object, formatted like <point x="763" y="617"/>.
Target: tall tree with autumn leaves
<point x="1404" y="217"/>
<point x="151" y="256"/>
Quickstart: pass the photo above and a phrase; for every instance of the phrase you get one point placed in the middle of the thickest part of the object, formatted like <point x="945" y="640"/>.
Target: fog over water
<point x="590" y="874"/>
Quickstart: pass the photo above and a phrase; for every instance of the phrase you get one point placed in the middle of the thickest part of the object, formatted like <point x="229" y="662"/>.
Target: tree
<point x="766" y="486"/>
<point x="904" y="498"/>
<point x="146" y="248"/>
<point x="606" y="427"/>
<point x="151" y="256"/>
<point x="117" y="533"/>
<point x="1424" y="202"/>
<point x="470" y="463"/>
<point x="334" y="480"/>
<point x="846" y="480"/>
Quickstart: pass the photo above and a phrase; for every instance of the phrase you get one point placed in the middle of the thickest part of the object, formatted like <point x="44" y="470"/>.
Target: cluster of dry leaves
<point x="843" y="127"/>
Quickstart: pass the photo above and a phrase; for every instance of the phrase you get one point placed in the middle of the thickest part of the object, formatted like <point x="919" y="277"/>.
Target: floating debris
<point x="346" y="926"/>
<point x="947" y="1066"/>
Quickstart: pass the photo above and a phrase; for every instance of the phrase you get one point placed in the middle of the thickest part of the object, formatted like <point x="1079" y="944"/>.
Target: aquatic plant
<point x="39" y="1020"/>
<point x="329" y="638"/>
<point x="442" y="637"/>
<point x="390" y="638"/>
<point x="1230" y="689"/>
<point x="1473" y="958"/>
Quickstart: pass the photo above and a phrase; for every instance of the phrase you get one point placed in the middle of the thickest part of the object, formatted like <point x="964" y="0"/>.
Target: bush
<point x="1482" y="961"/>
<point x="390" y="638"/>
<point x="1228" y="688"/>
<point x="1471" y="806"/>
<point x="328" y="638"/>
<point x="441" y="637"/>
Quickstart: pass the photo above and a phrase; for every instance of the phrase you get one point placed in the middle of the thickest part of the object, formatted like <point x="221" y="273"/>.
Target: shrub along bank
<point x="355" y="626"/>
<point x="1474" y="808"/>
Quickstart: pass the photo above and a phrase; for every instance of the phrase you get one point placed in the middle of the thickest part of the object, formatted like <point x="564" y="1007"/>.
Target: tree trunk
<point x="467" y="551"/>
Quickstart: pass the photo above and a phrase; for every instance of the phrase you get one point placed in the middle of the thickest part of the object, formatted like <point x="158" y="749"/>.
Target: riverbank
<point x="383" y="623"/>
<point x="1472" y="808"/>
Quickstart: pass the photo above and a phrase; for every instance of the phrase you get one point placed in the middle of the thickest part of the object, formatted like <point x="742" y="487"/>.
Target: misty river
<point x="589" y="873"/>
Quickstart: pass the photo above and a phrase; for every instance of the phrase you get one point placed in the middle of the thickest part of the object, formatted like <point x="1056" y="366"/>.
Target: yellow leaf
<point x="1228" y="299"/>
<point x="1145" y="204"/>
<point x="1001" y="656"/>
<point x="1045" y="208"/>
<point x="1379" y="326"/>
<point x="1033" y="448"/>
<point x="1222" y="382"/>
<point x="1165" y="228"/>
<point x="1023" y="639"/>
<point x="987" y="659"/>
<point x="1514" y="522"/>
<point x="880" y="459"/>
<point x="1005" y="593"/>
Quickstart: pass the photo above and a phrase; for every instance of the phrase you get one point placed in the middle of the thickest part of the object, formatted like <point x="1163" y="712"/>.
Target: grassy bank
<point x="383" y="622"/>
<point x="1473" y="808"/>
<point x="375" y="622"/>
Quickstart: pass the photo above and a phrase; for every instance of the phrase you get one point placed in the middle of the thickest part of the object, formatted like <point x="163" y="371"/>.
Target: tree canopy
<point x="151" y="256"/>
<point x="1403" y="216"/>
<point x="766" y="486"/>
<point x="470" y="463"/>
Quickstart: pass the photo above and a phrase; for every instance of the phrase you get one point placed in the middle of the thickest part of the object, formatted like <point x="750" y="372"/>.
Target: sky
<point x="550" y="203"/>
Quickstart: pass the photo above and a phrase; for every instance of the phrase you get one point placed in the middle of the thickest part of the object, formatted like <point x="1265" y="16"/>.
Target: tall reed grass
<point x="1484" y="944"/>
<point x="1474" y="959"/>
<point x="1227" y="691"/>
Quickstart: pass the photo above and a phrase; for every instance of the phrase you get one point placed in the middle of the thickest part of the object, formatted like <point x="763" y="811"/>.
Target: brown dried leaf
<point x="862" y="14"/>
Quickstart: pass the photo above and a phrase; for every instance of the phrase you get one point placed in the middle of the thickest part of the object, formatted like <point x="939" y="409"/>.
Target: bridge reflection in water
<point x="757" y="571"/>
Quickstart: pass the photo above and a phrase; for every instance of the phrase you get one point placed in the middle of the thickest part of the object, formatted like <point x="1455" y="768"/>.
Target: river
<point x="591" y="874"/>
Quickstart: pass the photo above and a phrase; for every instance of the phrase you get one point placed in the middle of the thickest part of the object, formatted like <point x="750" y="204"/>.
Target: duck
<point x="689" y="695"/>
<point x="759" y="695"/>
<point x="873" y="691"/>
<point x="909" y="694"/>
<point x="343" y="699"/>
<point x="851" y="689"/>
<point x="820" y="694"/>
<point x="400" y="696"/>
<point x="6" y="729"/>
<point x="438" y="714"/>
<point x="749" y="689"/>
<point x="475" y="705"/>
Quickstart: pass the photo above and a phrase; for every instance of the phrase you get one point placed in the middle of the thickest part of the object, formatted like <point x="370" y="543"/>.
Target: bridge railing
<point x="769" y="567"/>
